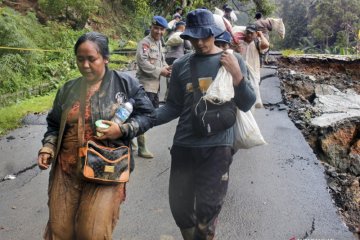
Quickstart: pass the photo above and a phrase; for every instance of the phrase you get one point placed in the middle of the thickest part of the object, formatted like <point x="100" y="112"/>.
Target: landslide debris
<point x="322" y="93"/>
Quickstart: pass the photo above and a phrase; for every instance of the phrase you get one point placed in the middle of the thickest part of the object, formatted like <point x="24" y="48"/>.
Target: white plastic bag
<point x="221" y="89"/>
<point x="278" y="25"/>
<point x="218" y="11"/>
<point x="254" y="80"/>
<point x="246" y="131"/>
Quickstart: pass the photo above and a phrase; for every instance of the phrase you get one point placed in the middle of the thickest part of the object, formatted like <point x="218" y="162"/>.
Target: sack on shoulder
<point x="221" y="89"/>
<point x="105" y="165"/>
<point x="210" y="118"/>
<point x="174" y="40"/>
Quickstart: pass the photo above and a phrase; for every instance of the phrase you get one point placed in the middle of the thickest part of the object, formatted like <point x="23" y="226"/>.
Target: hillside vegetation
<point x="36" y="58"/>
<point x="37" y="36"/>
<point x="36" y="54"/>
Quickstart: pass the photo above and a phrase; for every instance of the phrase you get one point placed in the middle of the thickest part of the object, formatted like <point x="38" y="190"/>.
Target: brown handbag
<point x="101" y="164"/>
<point x="104" y="164"/>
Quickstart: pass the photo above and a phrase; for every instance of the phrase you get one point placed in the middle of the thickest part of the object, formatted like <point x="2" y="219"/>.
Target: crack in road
<point x="268" y="76"/>
<point x="20" y="172"/>
<point x="163" y="172"/>
<point x="311" y="230"/>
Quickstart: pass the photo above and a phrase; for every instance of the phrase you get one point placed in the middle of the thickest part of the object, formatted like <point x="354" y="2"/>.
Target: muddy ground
<point x="322" y="95"/>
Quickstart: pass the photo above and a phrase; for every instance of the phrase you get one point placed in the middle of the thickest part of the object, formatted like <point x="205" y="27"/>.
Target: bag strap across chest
<point x="195" y="83"/>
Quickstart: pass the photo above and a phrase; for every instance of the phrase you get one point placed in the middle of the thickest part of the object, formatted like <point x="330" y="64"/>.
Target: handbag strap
<point x="81" y="118"/>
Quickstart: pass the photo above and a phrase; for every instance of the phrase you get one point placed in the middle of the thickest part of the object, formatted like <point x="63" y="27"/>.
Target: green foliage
<point x="53" y="7"/>
<point x="15" y="30"/>
<point x="335" y="25"/>
<point x="21" y="70"/>
<point x="10" y="116"/>
<point x="138" y="20"/>
<point x="291" y="52"/>
<point x="308" y="115"/>
<point x="307" y="45"/>
<point x="142" y="8"/>
<point x="321" y="26"/>
<point x="11" y="67"/>
<point x="264" y="6"/>
<point x="130" y="45"/>
<point x="118" y="62"/>
<point x="294" y="15"/>
<point x="78" y="11"/>
<point x="120" y="58"/>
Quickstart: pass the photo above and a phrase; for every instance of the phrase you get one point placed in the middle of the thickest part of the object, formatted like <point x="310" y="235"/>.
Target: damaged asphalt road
<point x="276" y="191"/>
<point x="322" y="96"/>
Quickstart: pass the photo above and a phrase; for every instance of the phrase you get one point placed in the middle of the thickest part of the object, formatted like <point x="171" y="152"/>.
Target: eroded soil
<point x="306" y="79"/>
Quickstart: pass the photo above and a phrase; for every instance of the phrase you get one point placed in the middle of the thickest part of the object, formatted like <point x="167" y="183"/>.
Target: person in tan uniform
<point x="151" y="63"/>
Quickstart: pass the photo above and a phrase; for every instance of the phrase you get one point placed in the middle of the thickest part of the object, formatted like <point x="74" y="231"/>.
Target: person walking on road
<point x="79" y="209"/>
<point x="250" y="48"/>
<point x="227" y="14"/>
<point x="265" y="26"/>
<point x="176" y="47"/>
<point x="172" y="24"/>
<point x="223" y="41"/>
<point x="200" y="165"/>
<point x="179" y="10"/>
<point x="151" y="65"/>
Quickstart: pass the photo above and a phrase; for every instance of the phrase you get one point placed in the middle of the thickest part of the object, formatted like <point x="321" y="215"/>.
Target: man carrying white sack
<point x="199" y="172"/>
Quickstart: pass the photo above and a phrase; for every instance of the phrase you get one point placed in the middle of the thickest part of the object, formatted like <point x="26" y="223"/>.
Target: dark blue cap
<point x="251" y="28"/>
<point x="225" y="37"/>
<point x="177" y="15"/>
<point x="160" y="21"/>
<point x="228" y="9"/>
<point x="180" y="23"/>
<point x="200" y="23"/>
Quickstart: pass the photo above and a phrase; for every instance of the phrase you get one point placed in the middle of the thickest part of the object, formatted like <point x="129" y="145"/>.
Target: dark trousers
<point x="154" y="98"/>
<point x="170" y="61"/>
<point x="198" y="184"/>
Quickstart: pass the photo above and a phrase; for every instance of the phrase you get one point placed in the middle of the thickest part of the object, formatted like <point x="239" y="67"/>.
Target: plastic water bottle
<point x="123" y="112"/>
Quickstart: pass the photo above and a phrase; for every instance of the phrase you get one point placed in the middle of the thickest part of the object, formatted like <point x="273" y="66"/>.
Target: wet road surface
<point x="276" y="191"/>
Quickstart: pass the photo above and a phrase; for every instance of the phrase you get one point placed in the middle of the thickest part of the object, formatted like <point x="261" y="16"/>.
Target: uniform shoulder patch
<point x="145" y="47"/>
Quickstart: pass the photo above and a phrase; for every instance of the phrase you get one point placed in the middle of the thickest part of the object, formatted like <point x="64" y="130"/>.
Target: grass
<point x="291" y="52"/>
<point x="118" y="62"/>
<point x="11" y="116"/>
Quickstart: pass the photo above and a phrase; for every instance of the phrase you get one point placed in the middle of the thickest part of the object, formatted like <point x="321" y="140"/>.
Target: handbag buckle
<point x="109" y="169"/>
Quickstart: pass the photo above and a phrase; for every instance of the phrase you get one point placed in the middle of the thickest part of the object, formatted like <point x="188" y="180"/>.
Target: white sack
<point x="246" y="131"/>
